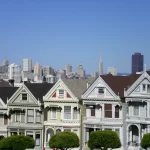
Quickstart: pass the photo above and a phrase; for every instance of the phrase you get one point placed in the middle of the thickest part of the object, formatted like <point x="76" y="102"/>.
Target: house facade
<point x="25" y="111"/>
<point x="62" y="109"/>
<point x="137" y="98"/>
<point x="103" y="109"/>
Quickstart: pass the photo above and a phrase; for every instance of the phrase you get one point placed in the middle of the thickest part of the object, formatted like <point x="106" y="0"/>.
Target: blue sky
<point x="60" y="32"/>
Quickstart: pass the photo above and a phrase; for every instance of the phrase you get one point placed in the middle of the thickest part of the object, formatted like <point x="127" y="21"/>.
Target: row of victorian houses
<point x="118" y="103"/>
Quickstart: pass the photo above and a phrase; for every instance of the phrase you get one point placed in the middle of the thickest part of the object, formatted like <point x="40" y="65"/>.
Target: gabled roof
<point x="4" y="83"/>
<point x="78" y="86"/>
<point x="118" y="83"/>
<point x="39" y="89"/>
<point x="7" y="92"/>
<point x="148" y="72"/>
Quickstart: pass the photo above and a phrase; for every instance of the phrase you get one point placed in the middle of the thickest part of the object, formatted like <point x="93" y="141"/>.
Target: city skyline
<point x="75" y="32"/>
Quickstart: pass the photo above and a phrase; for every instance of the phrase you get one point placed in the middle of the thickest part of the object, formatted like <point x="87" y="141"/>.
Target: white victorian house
<point x="104" y="102"/>
<point x="62" y="110"/>
<point x="137" y="97"/>
<point x="25" y="111"/>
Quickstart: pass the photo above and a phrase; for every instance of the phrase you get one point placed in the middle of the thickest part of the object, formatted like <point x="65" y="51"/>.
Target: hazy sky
<point x="60" y="32"/>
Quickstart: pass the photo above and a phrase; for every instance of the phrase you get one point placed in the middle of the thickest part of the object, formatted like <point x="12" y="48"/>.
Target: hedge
<point x="64" y="140"/>
<point x="17" y="142"/>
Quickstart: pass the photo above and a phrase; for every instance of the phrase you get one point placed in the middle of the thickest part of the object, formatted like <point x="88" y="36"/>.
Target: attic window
<point x="100" y="90"/>
<point x="24" y="96"/>
<point x="61" y="92"/>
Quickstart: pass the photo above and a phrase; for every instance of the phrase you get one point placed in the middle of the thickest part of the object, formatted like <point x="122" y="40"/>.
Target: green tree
<point x="103" y="140"/>
<point x="64" y="140"/>
<point x="17" y="142"/>
<point x="145" y="142"/>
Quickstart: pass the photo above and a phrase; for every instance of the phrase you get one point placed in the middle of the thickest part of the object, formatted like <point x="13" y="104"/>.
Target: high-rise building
<point x="38" y="70"/>
<point x="137" y="62"/>
<point x="112" y="70"/>
<point x="100" y="69"/>
<point x="68" y="69"/>
<point x="94" y="74"/>
<point x="27" y="64"/>
<point x="14" y="72"/>
<point x="47" y="70"/>
<point x="6" y="63"/>
<point x="81" y="71"/>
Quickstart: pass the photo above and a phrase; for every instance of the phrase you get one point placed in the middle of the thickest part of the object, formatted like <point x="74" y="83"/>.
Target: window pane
<point x="144" y="87"/>
<point x="38" y="117"/>
<point x="75" y="114"/>
<point x="67" y="112"/>
<point x="37" y="140"/>
<point x="92" y="112"/>
<point x="136" y="110"/>
<point x="53" y="113"/>
<point x="17" y="116"/>
<point x="22" y="117"/>
<point x="30" y="116"/>
<point x="117" y="112"/>
<point x="24" y="96"/>
<point x="148" y="88"/>
<point x="108" y="110"/>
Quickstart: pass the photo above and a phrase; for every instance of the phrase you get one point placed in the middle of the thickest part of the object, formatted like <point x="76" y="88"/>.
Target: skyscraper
<point x="27" y="64"/>
<point x="68" y="69"/>
<point x="137" y="62"/>
<point x="81" y="71"/>
<point x="100" y="69"/>
<point x="112" y="70"/>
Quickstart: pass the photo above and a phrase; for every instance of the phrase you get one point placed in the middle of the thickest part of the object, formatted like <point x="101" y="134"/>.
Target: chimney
<point x="11" y="82"/>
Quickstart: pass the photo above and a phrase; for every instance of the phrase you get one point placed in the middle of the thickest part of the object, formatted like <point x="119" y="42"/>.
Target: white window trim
<point x="133" y="111"/>
<point x="52" y="115"/>
<point x="71" y="113"/>
<point x="16" y="117"/>
<point x="27" y="97"/>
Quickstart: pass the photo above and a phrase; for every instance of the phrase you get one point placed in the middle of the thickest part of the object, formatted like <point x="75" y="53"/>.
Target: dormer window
<point x="100" y="90"/>
<point x="24" y="96"/>
<point x="61" y="92"/>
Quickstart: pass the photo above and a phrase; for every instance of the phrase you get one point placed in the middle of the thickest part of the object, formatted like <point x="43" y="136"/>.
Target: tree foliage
<point x="145" y="143"/>
<point x="64" y="140"/>
<point x="103" y="140"/>
<point x="17" y="142"/>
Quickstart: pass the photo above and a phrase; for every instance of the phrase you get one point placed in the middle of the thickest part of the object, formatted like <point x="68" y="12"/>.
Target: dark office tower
<point x="137" y="62"/>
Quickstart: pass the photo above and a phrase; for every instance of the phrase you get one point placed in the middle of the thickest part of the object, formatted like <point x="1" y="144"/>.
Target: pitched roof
<point x="118" y="83"/>
<point x="148" y="72"/>
<point x="39" y="89"/>
<point x="7" y="92"/>
<point x="4" y="83"/>
<point x="78" y="86"/>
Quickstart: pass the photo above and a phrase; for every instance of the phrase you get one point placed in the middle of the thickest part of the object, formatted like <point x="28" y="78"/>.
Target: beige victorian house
<point x="62" y="109"/>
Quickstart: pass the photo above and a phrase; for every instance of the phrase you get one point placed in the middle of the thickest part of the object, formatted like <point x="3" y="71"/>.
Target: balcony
<point x="103" y="120"/>
<point x="25" y="125"/>
<point x="138" y="119"/>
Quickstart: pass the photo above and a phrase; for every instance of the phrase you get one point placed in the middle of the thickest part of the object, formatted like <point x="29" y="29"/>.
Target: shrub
<point x="145" y="142"/>
<point x="17" y="142"/>
<point x="103" y="140"/>
<point x="64" y="140"/>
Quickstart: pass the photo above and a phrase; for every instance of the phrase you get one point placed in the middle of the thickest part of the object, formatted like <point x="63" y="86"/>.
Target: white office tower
<point x="100" y="69"/>
<point x="38" y="70"/>
<point x="27" y="64"/>
<point x="47" y="70"/>
<point x="6" y="63"/>
<point x="14" y="72"/>
<point x="68" y="69"/>
<point x="81" y="71"/>
<point x="112" y="70"/>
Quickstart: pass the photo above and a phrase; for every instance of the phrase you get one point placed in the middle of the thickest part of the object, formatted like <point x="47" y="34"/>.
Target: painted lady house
<point x="105" y="105"/>
<point x="62" y="110"/>
<point x="25" y="109"/>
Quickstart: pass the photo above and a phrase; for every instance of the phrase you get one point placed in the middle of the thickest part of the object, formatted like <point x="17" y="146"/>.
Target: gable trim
<point x="89" y="90"/>
<point x="3" y="104"/>
<point x="53" y="89"/>
<point x="15" y="95"/>
<point x="136" y="83"/>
